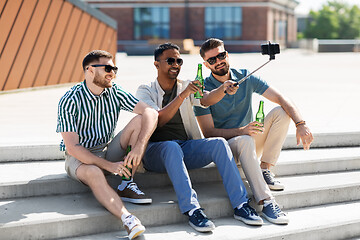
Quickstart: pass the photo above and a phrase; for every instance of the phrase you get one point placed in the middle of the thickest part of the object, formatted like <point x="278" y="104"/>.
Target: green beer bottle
<point x="128" y="149"/>
<point x="260" y="114"/>
<point x="200" y="78"/>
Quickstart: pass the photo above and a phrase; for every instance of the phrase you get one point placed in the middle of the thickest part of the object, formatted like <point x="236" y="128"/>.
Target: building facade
<point x="242" y="24"/>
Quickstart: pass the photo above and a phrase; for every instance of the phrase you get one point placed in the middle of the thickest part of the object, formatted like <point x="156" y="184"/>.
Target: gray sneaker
<point x="271" y="181"/>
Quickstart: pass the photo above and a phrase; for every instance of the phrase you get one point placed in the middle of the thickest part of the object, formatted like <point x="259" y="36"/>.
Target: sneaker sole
<point x="202" y="229"/>
<point x="137" y="201"/>
<point x="275" y="221"/>
<point x="276" y="188"/>
<point x="249" y="222"/>
<point x="137" y="231"/>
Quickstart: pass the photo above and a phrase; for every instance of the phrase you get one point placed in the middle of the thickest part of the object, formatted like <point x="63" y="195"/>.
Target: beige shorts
<point x="111" y="151"/>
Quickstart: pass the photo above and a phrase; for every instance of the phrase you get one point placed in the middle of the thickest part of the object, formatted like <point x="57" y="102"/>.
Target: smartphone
<point x="270" y="49"/>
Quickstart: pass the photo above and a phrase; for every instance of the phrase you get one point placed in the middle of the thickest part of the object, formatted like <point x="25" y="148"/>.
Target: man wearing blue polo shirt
<point x="231" y="117"/>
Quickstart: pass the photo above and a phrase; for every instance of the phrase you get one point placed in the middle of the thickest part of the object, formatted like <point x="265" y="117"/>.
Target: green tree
<point x="335" y="20"/>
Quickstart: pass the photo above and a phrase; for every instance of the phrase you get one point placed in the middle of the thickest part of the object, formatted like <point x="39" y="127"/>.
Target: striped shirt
<point x="92" y="117"/>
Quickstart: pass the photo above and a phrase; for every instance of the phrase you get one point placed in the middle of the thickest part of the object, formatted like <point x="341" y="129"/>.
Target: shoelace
<point x="276" y="209"/>
<point x="249" y="210"/>
<point x="199" y="215"/>
<point x="130" y="221"/>
<point x="133" y="187"/>
<point x="269" y="176"/>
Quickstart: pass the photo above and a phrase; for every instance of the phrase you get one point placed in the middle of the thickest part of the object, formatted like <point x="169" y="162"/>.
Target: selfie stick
<point x="272" y="57"/>
<point x="247" y="76"/>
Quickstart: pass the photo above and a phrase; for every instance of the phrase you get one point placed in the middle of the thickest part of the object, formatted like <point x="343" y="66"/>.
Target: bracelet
<point x="302" y="122"/>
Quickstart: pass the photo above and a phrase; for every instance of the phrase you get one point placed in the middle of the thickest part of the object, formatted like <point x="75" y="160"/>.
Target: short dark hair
<point x="209" y="44"/>
<point x="94" y="56"/>
<point x="161" y="48"/>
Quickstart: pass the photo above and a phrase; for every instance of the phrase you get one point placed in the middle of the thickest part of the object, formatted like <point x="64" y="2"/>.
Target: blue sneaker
<point x="273" y="213"/>
<point x="200" y="222"/>
<point x="248" y="215"/>
<point x="271" y="181"/>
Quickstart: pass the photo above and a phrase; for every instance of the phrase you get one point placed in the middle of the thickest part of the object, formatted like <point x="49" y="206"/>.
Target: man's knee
<point x="218" y="141"/>
<point x="90" y="174"/>
<point x="280" y="113"/>
<point x="245" y="141"/>
<point x="135" y="122"/>
<point x="219" y="145"/>
<point x="171" y="152"/>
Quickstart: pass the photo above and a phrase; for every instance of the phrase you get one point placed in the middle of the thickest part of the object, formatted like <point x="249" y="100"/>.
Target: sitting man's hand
<point x="304" y="133"/>
<point x="192" y="88"/>
<point x="253" y="129"/>
<point x="229" y="87"/>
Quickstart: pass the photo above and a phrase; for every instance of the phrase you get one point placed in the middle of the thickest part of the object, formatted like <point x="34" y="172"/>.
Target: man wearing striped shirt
<point x="87" y="117"/>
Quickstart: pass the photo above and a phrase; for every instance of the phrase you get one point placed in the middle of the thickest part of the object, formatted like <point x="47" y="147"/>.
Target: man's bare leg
<point x="94" y="177"/>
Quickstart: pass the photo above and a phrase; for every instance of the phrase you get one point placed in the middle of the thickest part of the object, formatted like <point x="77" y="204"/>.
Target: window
<point x="151" y="23"/>
<point x="282" y="29"/>
<point x="223" y="22"/>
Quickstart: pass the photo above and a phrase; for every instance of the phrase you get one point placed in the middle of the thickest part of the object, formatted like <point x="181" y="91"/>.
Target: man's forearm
<point x="210" y="98"/>
<point x="148" y="125"/>
<point x="85" y="156"/>
<point x="291" y="110"/>
<point x="225" y="133"/>
<point x="170" y="110"/>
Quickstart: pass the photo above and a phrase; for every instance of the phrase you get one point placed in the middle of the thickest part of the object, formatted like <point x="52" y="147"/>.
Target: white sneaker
<point x="133" y="226"/>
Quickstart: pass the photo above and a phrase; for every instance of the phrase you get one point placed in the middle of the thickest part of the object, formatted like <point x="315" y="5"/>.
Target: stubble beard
<point x="101" y="81"/>
<point x="223" y="71"/>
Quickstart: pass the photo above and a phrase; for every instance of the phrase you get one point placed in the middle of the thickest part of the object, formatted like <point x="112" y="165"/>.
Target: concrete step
<point x="333" y="221"/>
<point x="18" y="153"/>
<point x="39" y="178"/>
<point x="63" y="216"/>
<point x="319" y="160"/>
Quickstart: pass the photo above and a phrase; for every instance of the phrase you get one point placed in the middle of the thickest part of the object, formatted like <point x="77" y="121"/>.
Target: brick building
<point x="242" y="24"/>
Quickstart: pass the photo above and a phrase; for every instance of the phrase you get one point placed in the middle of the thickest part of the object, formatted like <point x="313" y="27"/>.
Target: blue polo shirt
<point x="233" y="111"/>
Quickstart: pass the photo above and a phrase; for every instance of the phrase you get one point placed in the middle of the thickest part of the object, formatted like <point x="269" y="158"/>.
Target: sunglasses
<point x="108" y="68"/>
<point x="220" y="56"/>
<point x="171" y="61"/>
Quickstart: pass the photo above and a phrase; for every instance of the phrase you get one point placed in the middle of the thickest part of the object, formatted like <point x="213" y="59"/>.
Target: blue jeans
<point x="175" y="157"/>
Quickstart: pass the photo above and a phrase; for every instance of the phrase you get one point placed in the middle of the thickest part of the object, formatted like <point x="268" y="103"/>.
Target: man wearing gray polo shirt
<point x="87" y="117"/>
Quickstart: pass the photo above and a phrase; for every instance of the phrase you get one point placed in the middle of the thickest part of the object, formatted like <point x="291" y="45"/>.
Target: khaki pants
<point x="247" y="149"/>
<point x="111" y="152"/>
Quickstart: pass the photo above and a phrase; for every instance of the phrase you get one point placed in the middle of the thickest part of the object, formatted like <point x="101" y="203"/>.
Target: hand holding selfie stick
<point x="266" y="49"/>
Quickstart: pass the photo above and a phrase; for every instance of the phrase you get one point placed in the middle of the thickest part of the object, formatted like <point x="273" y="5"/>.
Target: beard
<point x="101" y="81"/>
<point x="223" y="71"/>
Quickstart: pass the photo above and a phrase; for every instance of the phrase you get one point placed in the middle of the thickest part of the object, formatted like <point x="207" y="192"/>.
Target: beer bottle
<point x="200" y="78"/>
<point x="128" y="149"/>
<point x="260" y="114"/>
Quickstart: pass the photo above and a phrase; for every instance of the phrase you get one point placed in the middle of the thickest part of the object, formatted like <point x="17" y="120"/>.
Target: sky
<point x="306" y="5"/>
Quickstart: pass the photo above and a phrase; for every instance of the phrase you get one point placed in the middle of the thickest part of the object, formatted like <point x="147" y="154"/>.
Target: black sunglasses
<point x="108" y="68"/>
<point x="171" y="61"/>
<point x="220" y="56"/>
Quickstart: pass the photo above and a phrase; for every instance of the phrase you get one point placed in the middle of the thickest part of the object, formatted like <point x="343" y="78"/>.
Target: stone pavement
<point x="324" y="86"/>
